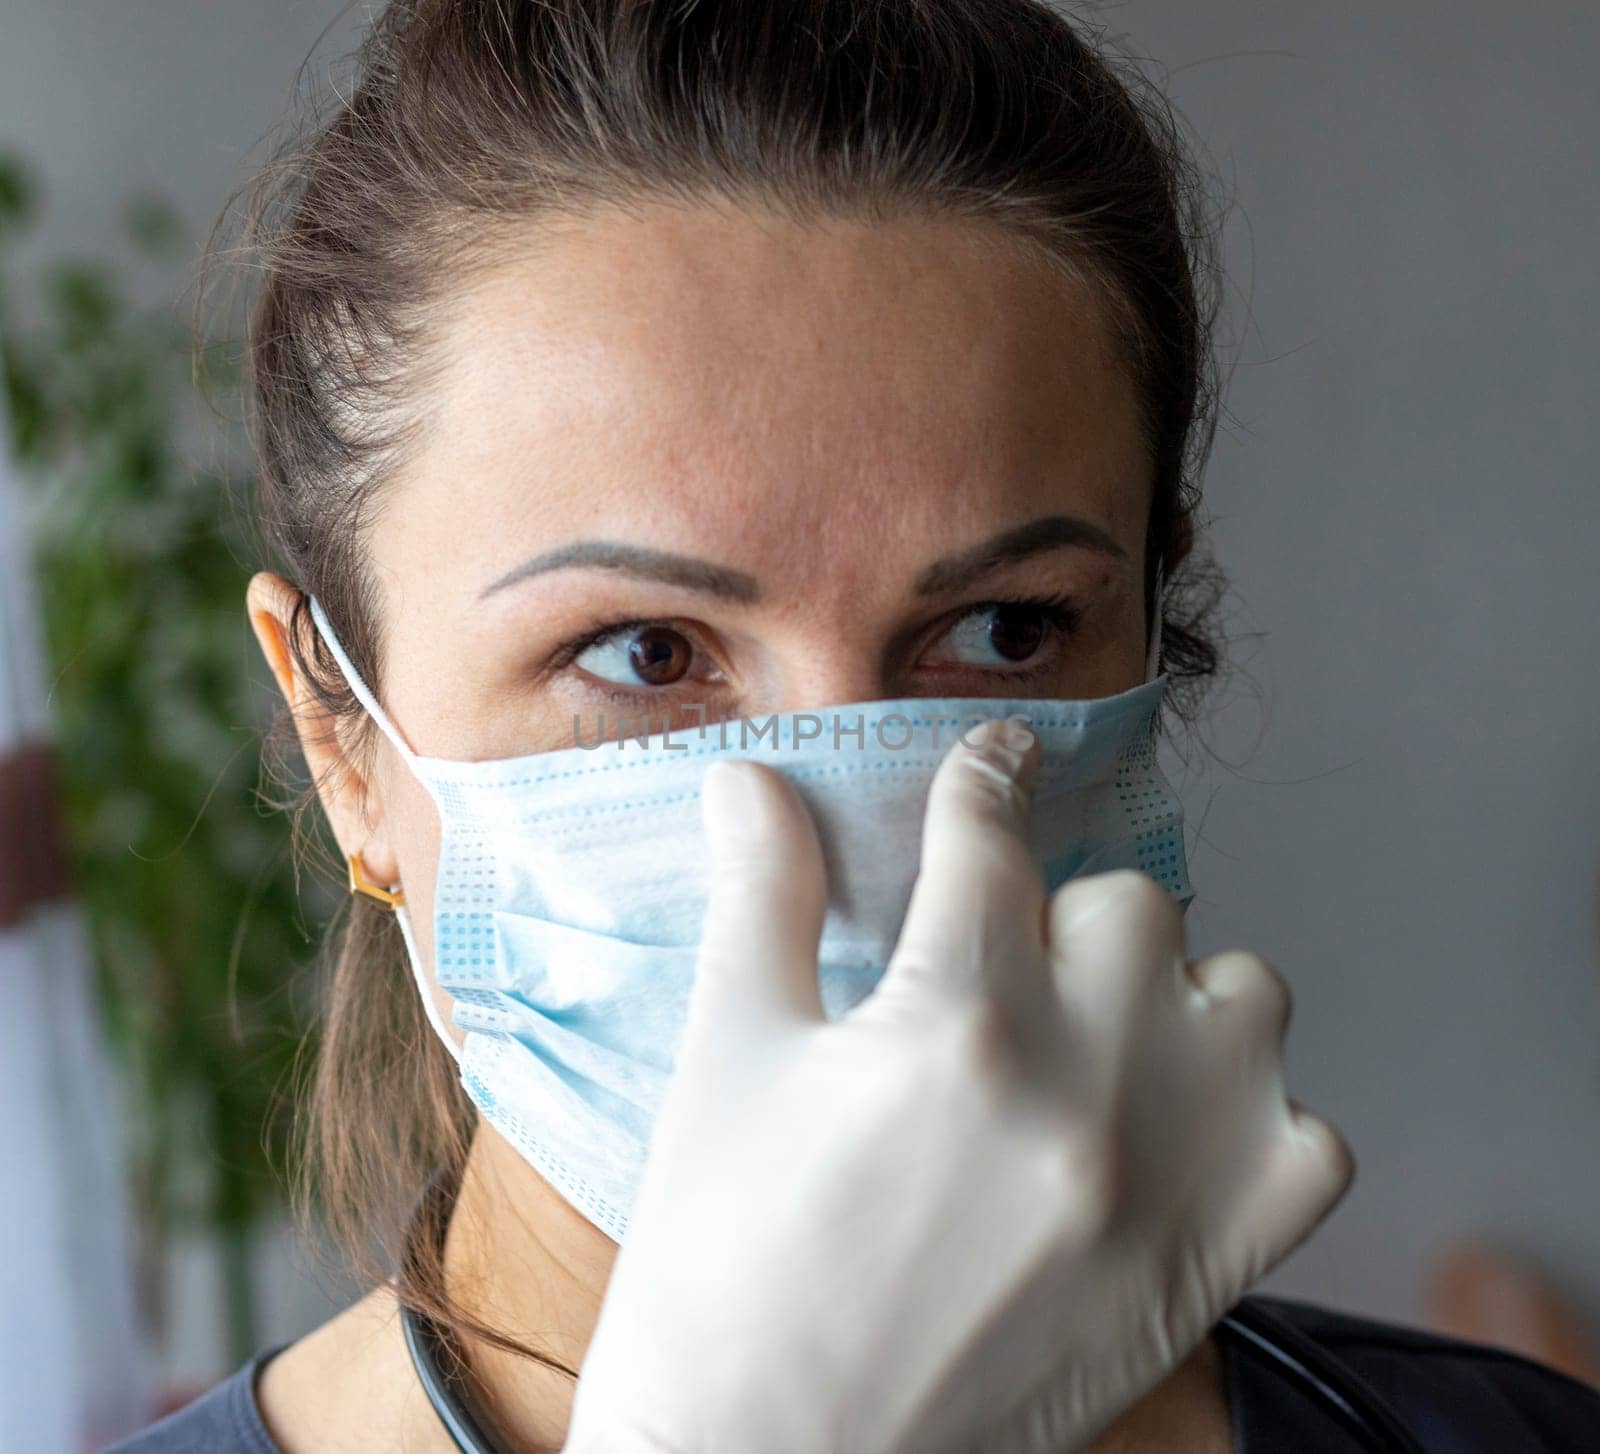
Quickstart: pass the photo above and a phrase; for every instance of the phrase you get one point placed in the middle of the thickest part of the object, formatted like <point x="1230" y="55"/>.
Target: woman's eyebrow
<point x="950" y="573"/>
<point x="637" y="560"/>
<point x="1050" y="532"/>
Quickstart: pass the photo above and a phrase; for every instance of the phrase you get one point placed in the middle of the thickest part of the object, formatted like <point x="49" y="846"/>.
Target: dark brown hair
<point x="467" y="121"/>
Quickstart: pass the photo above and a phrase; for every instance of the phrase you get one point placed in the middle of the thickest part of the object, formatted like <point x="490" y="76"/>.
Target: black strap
<point x="1290" y="1352"/>
<point x="1264" y="1335"/>
<point x="439" y="1366"/>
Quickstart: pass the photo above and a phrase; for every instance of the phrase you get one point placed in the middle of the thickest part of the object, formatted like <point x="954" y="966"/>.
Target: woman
<point x="707" y="361"/>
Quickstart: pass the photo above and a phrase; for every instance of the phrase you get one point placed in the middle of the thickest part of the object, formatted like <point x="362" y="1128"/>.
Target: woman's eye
<point x="651" y="656"/>
<point x="1008" y="633"/>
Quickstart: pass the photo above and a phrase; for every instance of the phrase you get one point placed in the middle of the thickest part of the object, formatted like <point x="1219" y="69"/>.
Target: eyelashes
<point x="1053" y="620"/>
<point x="1058" y="613"/>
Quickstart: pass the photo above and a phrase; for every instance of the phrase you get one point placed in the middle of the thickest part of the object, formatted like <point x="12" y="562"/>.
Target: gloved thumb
<point x="767" y="900"/>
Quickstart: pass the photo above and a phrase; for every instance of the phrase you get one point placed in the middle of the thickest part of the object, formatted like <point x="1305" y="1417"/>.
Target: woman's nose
<point x="809" y="682"/>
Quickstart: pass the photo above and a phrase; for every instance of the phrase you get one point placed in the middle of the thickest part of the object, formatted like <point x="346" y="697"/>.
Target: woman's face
<point x="700" y="459"/>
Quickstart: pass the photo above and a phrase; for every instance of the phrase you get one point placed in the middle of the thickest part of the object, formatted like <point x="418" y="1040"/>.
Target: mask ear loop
<point x="364" y="695"/>
<point x="1152" y="665"/>
<point x="353" y="680"/>
<point x="429" y="1005"/>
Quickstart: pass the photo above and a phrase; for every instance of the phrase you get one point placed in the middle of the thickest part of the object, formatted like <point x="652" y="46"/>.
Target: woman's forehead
<point x="714" y="376"/>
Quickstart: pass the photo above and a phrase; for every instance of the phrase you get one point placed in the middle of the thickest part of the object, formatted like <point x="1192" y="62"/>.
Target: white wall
<point x="1409" y="510"/>
<point x="1407" y="503"/>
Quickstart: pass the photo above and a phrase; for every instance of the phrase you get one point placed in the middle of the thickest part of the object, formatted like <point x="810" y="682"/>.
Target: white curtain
<point x="72" y="1374"/>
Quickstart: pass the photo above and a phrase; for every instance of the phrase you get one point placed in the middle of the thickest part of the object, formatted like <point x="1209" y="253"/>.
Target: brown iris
<point x="1016" y="632"/>
<point x="659" y="655"/>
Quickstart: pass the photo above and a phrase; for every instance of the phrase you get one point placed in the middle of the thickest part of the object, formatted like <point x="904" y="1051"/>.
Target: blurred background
<point x="1396" y="798"/>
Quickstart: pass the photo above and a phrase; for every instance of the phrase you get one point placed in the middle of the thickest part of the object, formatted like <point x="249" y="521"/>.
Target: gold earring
<point x="361" y="884"/>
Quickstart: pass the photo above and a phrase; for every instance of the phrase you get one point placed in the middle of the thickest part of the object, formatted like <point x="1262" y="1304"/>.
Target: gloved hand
<point x="989" y="1207"/>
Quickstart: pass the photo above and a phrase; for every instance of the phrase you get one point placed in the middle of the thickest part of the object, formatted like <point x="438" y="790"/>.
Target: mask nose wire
<point x="363" y="694"/>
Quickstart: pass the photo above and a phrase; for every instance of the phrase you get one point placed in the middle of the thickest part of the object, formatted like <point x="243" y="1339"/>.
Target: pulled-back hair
<point x="468" y="122"/>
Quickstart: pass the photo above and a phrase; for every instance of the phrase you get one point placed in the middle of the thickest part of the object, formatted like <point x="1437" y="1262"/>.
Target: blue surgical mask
<point x="572" y="884"/>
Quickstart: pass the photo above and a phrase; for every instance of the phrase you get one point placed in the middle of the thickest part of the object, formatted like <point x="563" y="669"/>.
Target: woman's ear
<point x="349" y="800"/>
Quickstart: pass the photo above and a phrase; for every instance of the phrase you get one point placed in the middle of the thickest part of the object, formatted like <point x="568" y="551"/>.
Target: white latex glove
<point x="989" y="1207"/>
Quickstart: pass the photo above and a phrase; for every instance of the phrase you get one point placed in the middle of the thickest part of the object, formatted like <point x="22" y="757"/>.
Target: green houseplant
<point x="184" y="877"/>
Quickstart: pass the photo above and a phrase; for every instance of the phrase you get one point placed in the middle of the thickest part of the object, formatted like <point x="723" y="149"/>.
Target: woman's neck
<point x="520" y="1257"/>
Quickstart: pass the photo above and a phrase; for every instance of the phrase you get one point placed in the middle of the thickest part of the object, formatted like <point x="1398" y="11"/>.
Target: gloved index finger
<point x="979" y="893"/>
<point x="767" y="901"/>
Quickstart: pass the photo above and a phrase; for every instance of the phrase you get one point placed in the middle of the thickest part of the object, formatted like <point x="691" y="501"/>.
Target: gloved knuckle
<point x="1247" y="983"/>
<point x="716" y="969"/>
<point x="913" y="977"/>
<point x="985" y="784"/>
<point x="977" y="1037"/>
<point x="1277" y="1000"/>
<point x="758" y="872"/>
<point x="985" y="875"/>
<point x="1122" y="893"/>
<point x="1328" y="1149"/>
<point x="1004" y="857"/>
<point x="1083" y="1179"/>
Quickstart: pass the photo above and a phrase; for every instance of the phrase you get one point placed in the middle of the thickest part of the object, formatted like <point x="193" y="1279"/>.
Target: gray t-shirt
<point x="1455" y="1398"/>
<point x="225" y="1418"/>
